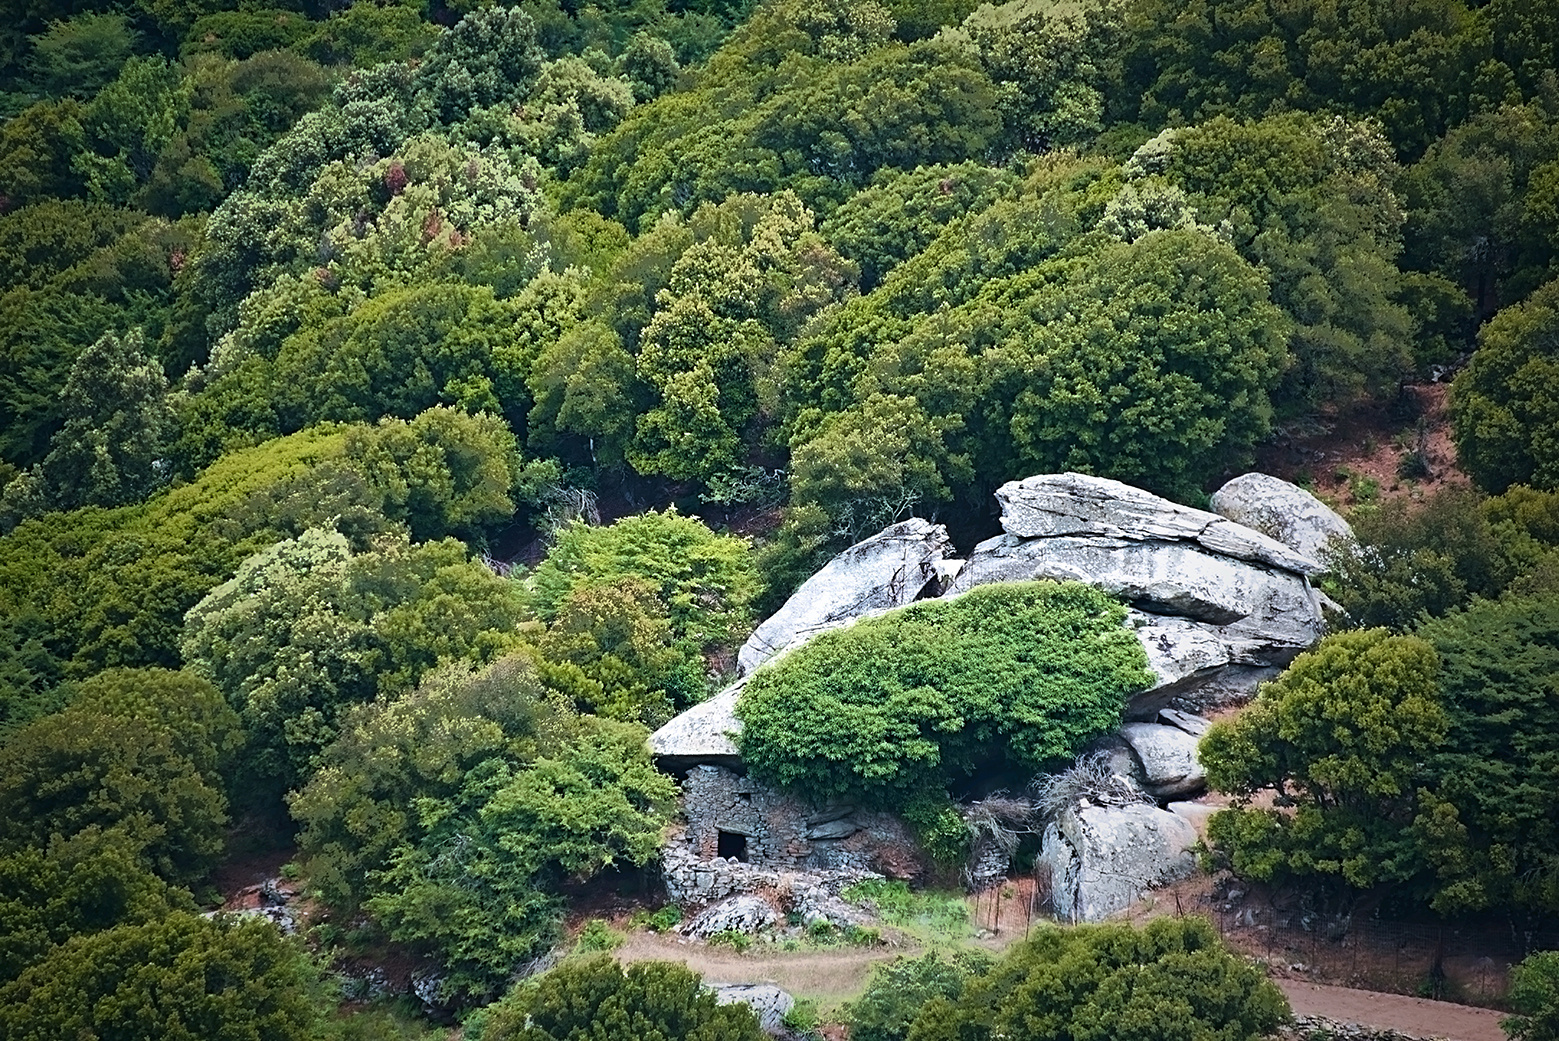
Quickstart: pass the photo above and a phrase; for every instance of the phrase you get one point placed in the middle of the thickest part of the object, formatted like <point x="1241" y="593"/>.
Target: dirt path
<point x="827" y="977"/>
<point x="830" y="977"/>
<point x="1418" y="1017"/>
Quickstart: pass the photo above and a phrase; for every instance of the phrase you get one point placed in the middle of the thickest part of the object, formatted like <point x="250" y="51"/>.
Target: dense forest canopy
<point x="406" y="404"/>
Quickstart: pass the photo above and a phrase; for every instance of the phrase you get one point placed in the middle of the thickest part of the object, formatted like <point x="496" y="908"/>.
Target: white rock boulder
<point x="1102" y="859"/>
<point x="1218" y="605"/>
<point x="769" y="1003"/>
<point x="1168" y="758"/>
<point x="738" y="914"/>
<point x="1283" y="511"/>
<point x="889" y="569"/>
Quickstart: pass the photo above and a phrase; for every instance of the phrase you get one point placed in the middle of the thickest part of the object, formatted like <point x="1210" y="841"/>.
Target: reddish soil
<point x="1353" y="457"/>
<point x="1416" y="1017"/>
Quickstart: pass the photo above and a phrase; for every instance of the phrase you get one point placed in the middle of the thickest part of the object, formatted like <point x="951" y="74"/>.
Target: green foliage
<point x="811" y="99"/>
<point x="79" y="56"/>
<point x="1311" y="201"/>
<point x="118" y="422"/>
<point x="1503" y="406"/>
<point x="76" y="886"/>
<point x="899" y="989"/>
<point x="453" y="813"/>
<point x="1481" y="205"/>
<point x="307" y="628"/>
<point x="598" y="935"/>
<point x="1534" y="994"/>
<point x="654" y="1001"/>
<point x="754" y="274"/>
<point x="611" y="651"/>
<point x="1018" y="675"/>
<point x="1418" y="66"/>
<point x="1171" y="979"/>
<point x="180" y="976"/>
<point x="83" y="771"/>
<point x="1343" y="735"/>
<point x="1487" y="825"/>
<point x="1428" y="560"/>
<point x="900" y="213"/>
<point x="705" y="581"/>
<point x="1420" y="761"/>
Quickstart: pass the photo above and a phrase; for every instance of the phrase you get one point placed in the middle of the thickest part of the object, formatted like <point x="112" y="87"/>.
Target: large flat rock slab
<point x="1051" y="505"/>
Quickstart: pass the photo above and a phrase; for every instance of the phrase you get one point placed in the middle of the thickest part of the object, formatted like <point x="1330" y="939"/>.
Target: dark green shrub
<point x="1170" y="981"/>
<point x="597" y="998"/>
<point x="180" y="977"/>
<point x="1020" y="674"/>
<point x="899" y="989"/>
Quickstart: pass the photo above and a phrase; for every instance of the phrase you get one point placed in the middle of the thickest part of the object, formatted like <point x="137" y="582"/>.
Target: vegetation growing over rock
<point x="1015" y="675"/>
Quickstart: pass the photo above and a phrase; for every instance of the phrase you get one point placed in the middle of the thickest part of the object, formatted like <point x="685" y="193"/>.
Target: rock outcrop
<point x="769" y="1003"/>
<point x="1218" y="605"/>
<point x="1167" y="755"/>
<point x="1282" y="511"/>
<point x="890" y="569"/>
<point x="744" y="913"/>
<point x="1102" y="858"/>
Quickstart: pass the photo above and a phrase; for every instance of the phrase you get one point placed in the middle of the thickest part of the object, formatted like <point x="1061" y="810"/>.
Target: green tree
<point x="1016" y="676"/>
<point x="1488" y="825"/>
<point x="360" y="805"/>
<point x="612" y="652"/>
<point x="595" y="997"/>
<point x="899" y="989"/>
<point x="1311" y="201"/>
<point x="1171" y="980"/>
<point x="83" y="884"/>
<point x="453" y="814"/>
<point x="1342" y="736"/>
<point x="1145" y="362"/>
<point x="1480" y="205"/>
<point x="1534" y="993"/>
<point x="447" y="472"/>
<point x="79" y="56"/>
<point x="179" y="977"/>
<point x="81" y="770"/>
<point x="706" y="581"/>
<point x="1414" y="66"/>
<point x="1503" y="407"/>
<point x="118" y="422"/>
<point x="1429" y="560"/>
<point x="307" y="628"/>
<point x="900" y="212"/>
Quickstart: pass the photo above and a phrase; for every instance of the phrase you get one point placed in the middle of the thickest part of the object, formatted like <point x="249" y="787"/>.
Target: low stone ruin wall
<point x="770" y="829"/>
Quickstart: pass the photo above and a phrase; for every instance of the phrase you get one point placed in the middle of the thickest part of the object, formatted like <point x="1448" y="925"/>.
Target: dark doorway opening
<point x="731" y="844"/>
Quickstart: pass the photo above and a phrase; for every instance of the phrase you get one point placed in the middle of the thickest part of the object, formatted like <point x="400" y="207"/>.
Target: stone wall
<point x="1319" y="1028"/>
<point x="783" y="832"/>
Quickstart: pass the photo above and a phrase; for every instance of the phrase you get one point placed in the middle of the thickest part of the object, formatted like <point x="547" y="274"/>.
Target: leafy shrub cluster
<point x="1171" y="979"/>
<point x="1020" y="674"/>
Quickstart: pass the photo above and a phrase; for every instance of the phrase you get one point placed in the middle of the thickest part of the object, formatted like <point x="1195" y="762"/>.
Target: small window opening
<point x="731" y="844"/>
<point x="744" y="796"/>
